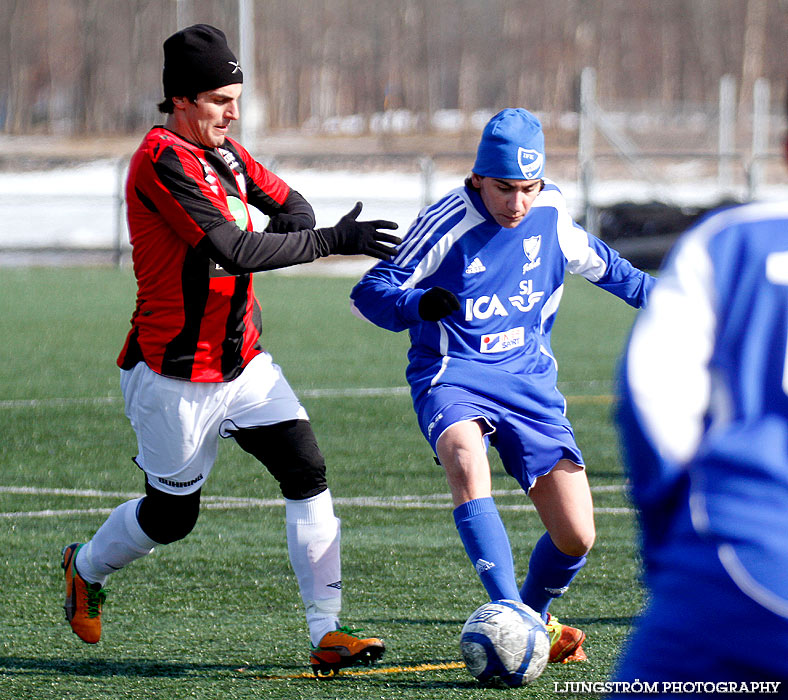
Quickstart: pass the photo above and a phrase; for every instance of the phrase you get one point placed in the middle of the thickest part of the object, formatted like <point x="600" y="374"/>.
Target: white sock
<point x="313" y="536"/>
<point x="119" y="541"/>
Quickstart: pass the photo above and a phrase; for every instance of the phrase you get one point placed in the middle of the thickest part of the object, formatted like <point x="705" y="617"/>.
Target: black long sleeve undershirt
<point x="241" y="252"/>
<point x="297" y="208"/>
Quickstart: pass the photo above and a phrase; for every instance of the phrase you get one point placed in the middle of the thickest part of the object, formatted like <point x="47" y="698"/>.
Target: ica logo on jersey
<point x="484" y="307"/>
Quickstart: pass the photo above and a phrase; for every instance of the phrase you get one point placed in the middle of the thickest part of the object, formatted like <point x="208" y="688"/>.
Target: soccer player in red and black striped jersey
<point x="193" y="368"/>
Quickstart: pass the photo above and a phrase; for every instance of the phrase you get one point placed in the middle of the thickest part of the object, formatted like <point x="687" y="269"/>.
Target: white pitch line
<point x="338" y="393"/>
<point x="408" y="502"/>
<point x="56" y="513"/>
<point x="55" y="402"/>
<point x="353" y="392"/>
<point x="88" y="493"/>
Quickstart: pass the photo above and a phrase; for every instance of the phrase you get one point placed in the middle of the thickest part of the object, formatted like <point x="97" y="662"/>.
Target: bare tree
<point x="94" y="66"/>
<point x="753" y="49"/>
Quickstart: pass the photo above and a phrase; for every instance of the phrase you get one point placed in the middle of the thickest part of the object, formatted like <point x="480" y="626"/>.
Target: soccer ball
<point x="505" y="639"/>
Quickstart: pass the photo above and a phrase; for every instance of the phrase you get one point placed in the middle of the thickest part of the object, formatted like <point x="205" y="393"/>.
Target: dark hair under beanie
<point x="197" y="59"/>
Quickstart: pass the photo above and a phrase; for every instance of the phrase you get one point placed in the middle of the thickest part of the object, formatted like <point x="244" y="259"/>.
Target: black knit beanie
<point x="197" y="59"/>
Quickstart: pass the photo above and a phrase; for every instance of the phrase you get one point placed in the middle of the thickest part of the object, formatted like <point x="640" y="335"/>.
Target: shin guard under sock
<point x="484" y="536"/>
<point x="550" y="572"/>
<point x="118" y="542"/>
<point x="313" y="542"/>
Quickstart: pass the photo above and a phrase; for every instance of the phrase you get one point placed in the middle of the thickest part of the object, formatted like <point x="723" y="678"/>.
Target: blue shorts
<point x="528" y="447"/>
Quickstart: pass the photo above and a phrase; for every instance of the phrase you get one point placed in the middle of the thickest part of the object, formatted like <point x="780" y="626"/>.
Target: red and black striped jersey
<point x="194" y="249"/>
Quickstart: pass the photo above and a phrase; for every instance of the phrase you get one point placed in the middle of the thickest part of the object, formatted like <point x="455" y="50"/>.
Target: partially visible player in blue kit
<point x="703" y="416"/>
<point x="477" y="283"/>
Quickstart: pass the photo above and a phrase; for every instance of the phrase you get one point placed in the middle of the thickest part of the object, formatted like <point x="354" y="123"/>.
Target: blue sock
<point x="487" y="544"/>
<point x="550" y="572"/>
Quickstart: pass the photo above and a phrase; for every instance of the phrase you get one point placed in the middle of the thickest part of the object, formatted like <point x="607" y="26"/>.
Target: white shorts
<point x="178" y="423"/>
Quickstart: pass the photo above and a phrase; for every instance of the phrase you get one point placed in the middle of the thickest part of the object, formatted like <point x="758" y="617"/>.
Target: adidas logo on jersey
<point x="475" y="267"/>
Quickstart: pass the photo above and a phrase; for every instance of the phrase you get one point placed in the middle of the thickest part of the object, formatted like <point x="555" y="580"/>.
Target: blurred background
<point x="654" y="110"/>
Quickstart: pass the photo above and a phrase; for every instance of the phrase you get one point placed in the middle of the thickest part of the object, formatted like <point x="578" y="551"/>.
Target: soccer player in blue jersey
<point x="703" y="416"/>
<point x="477" y="282"/>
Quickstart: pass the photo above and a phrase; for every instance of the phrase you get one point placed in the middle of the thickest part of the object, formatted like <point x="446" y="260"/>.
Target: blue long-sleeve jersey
<point x="509" y="283"/>
<point x="703" y="409"/>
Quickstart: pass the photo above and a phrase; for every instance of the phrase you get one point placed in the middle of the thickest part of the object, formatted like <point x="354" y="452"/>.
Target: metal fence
<point x="76" y="214"/>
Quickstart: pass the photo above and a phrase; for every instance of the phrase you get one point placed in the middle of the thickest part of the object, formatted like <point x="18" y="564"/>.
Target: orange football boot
<point x="83" y="599"/>
<point x="341" y="648"/>
<point x="565" y="642"/>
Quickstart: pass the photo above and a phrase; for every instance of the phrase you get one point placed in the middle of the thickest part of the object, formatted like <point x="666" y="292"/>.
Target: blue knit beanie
<point x="511" y="147"/>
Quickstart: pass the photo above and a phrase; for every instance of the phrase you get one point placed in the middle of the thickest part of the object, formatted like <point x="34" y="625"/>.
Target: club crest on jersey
<point x="503" y="342"/>
<point x="531" y="163"/>
<point x="531" y="248"/>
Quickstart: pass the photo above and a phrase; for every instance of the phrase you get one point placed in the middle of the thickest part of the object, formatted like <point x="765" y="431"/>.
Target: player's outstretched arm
<point x="352" y="237"/>
<point x="296" y="215"/>
<point x="240" y="251"/>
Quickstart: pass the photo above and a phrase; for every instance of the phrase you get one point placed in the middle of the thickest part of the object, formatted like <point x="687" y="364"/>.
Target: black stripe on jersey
<point x="185" y="190"/>
<point x="234" y="330"/>
<point x="133" y="355"/>
<point x="255" y="195"/>
<point x="146" y="201"/>
<point x="223" y="171"/>
<point x="257" y="320"/>
<point x="178" y="359"/>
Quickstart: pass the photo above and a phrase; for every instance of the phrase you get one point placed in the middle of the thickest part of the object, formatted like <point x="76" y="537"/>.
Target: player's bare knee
<point x="463" y="456"/>
<point x="576" y="543"/>
<point x="583" y="546"/>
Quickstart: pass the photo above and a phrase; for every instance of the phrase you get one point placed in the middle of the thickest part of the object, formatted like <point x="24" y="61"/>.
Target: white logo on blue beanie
<point x="511" y="147"/>
<point x="531" y="163"/>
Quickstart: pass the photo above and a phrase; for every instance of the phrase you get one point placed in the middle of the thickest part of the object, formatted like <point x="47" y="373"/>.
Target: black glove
<point x="437" y="303"/>
<point x="351" y="237"/>
<point x="282" y="223"/>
